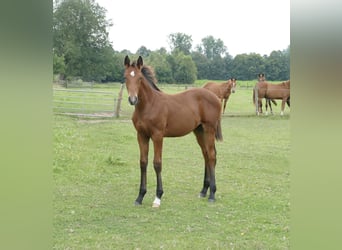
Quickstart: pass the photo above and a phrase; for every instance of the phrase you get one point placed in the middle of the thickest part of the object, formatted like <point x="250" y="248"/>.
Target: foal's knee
<point x="143" y="164"/>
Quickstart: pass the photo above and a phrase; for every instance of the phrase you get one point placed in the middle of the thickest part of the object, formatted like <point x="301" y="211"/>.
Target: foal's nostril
<point x="133" y="100"/>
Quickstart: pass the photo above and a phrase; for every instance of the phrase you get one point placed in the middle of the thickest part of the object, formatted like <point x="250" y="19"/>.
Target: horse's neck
<point x="225" y="90"/>
<point x="262" y="85"/>
<point x="146" y="94"/>
<point x="227" y="85"/>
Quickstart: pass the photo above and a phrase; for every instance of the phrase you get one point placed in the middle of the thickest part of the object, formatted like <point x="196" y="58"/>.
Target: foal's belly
<point x="181" y="123"/>
<point x="178" y="128"/>
<point x="172" y="126"/>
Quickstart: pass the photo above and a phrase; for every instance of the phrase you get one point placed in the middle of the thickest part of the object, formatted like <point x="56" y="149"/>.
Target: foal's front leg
<point x="157" y="163"/>
<point x="143" y="146"/>
<point x="224" y="105"/>
<point x="259" y="106"/>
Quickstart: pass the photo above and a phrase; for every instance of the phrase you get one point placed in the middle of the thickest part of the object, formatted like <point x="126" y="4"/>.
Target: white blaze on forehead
<point x="132" y="74"/>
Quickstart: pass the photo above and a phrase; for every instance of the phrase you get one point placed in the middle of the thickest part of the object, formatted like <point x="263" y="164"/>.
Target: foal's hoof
<point x="156" y="203"/>
<point x="201" y="195"/>
<point x="137" y="203"/>
<point x="211" y="200"/>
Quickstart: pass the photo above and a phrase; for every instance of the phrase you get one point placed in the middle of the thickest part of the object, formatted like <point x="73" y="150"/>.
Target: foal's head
<point x="261" y="77"/>
<point x="135" y="74"/>
<point x="233" y="84"/>
<point x="133" y="77"/>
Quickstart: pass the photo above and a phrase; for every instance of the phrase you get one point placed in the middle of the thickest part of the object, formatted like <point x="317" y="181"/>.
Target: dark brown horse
<point x="158" y="115"/>
<point x="222" y="90"/>
<point x="272" y="91"/>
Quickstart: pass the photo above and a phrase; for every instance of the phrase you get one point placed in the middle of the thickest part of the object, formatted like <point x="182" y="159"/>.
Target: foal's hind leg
<point x="206" y="181"/>
<point x="212" y="163"/>
<point x="259" y="106"/>
<point x="206" y="141"/>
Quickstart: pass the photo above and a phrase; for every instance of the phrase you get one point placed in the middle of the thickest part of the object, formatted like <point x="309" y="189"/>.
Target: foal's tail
<point x="218" y="134"/>
<point x="274" y="102"/>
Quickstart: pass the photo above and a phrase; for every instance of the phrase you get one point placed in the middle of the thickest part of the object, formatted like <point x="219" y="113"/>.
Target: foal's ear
<point x="140" y="62"/>
<point x="127" y="61"/>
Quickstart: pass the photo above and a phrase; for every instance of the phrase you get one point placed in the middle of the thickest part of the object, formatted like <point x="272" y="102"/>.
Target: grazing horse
<point x="222" y="90"/>
<point x="157" y="115"/>
<point x="272" y="91"/>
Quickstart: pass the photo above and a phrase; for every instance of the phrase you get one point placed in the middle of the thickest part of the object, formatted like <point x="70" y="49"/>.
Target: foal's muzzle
<point x="133" y="100"/>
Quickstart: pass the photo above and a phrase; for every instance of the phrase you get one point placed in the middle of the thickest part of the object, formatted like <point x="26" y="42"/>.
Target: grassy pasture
<point x="96" y="180"/>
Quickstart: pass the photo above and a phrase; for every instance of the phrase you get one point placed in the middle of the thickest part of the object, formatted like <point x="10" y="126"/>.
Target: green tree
<point x="185" y="70"/>
<point x="209" y="59"/>
<point x="80" y="35"/>
<point x="247" y="66"/>
<point x="239" y="66"/>
<point x="255" y="65"/>
<point x="202" y="64"/>
<point x="216" y="69"/>
<point x="58" y="65"/>
<point x="161" y="67"/>
<point x="277" y="66"/>
<point x="113" y="68"/>
<point x="285" y="70"/>
<point x="228" y="66"/>
<point x="212" y="48"/>
<point x="143" y="51"/>
<point x="180" y="42"/>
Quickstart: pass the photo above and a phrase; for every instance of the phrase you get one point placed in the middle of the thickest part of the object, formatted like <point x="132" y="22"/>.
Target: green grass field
<point x="96" y="180"/>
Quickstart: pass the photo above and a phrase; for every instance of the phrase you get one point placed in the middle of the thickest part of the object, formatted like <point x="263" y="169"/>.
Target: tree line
<point x="81" y="49"/>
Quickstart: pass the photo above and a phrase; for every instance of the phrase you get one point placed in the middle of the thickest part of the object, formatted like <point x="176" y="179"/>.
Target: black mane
<point x="150" y="77"/>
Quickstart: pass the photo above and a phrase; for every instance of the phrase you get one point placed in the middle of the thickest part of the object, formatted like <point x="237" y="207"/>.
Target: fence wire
<point x="84" y="102"/>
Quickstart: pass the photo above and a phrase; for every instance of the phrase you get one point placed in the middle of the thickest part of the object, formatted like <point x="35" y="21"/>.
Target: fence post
<point x="118" y="105"/>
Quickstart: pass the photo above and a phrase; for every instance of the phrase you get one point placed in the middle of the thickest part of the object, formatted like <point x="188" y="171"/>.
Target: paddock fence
<point x="87" y="102"/>
<point x="103" y="102"/>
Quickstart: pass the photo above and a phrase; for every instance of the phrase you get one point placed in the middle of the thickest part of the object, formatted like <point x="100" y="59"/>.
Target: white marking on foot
<point x="156" y="202"/>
